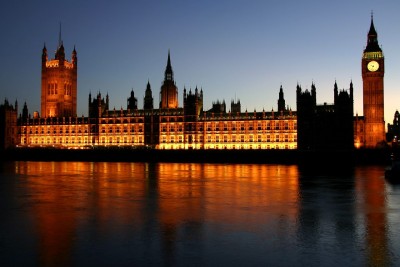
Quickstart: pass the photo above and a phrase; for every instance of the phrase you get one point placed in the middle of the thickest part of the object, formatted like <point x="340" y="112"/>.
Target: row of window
<point x="124" y="129"/>
<point x="233" y="146"/>
<point x="53" y="130"/>
<point x="233" y="139"/>
<point x="242" y="127"/>
<point x="112" y="121"/>
<point x="78" y="140"/>
<point x="124" y="140"/>
<point x="55" y="141"/>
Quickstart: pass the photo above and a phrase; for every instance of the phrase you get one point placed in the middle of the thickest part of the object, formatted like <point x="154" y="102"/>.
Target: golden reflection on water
<point x="65" y="195"/>
<point x="68" y="199"/>
<point x="371" y="190"/>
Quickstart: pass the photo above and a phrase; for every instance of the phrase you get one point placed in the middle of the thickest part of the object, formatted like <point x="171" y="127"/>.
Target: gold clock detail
<point x="373" y="66"/>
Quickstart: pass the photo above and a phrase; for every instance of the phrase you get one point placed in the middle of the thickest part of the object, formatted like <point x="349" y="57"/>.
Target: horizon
<point x="242" y="51"/>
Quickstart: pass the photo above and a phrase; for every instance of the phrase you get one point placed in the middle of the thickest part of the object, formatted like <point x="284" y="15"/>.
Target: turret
<point x="107" y="102"/>
<point x="74" y="58"/>
<point x="44" y="56"/>
<point x="314" y="93"/>
<point x="281" y="100"/>
<point x="25" y="113"/>
<point x="148" y="97"/>
<point x="335" y="92"/>
<point x="351" y="91"/>
<point x="132" y="102"/>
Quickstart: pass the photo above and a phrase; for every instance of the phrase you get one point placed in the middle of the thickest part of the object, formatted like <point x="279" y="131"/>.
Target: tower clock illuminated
<point x="372" y="65"/>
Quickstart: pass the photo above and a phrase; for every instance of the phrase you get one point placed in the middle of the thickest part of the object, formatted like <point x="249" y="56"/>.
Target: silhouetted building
<point x="98" y="106"/>
<point x="218" y="107"/>
<point x="236" y="107"/>
<point x="326" y="126"/>
<point x="8" y="125"/>
<point x="393" y="133"/>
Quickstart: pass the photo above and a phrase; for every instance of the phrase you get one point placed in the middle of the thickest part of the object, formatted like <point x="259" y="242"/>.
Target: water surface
<point x="165" y="214"/>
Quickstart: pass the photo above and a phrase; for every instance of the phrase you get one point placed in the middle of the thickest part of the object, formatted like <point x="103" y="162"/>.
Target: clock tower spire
<point x="372" y="67"/>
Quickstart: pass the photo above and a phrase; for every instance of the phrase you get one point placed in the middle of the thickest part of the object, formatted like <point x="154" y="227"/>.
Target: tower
<point x="373" y="70"/>
<point x="132" y="102"/>
<point x="169" y="91"/>
<point x="281" y="100"/>
<point x="59" y="83"/>
<point x="148" y="97"/>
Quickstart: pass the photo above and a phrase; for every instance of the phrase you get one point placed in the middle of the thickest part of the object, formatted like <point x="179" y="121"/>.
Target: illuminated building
<point x="311" y="127"/>
<point x="169" y="127"/>
<point x="373" y="70"/>
<point x="59" y="83"/>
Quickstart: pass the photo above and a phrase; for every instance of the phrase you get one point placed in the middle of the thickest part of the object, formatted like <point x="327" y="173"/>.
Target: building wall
<point x="247" y="131"/>
<point x="8" y="126"/>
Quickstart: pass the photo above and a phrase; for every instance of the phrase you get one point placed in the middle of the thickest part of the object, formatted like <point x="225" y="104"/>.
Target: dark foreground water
<point x="138" y="214"/>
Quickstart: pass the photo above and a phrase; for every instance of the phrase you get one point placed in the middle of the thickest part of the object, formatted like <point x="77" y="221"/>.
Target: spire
<point x="372" y="40"/>
<point x="60" y="53"/>
<point x="335" y="92"/>
<point x="44" y="55"/>
<point x="59" y="37"/>
<point x="169" y="75"/>
<point x="281" y="100"/>
<point x="351" y="89"/>
<point x="148" y="87"/>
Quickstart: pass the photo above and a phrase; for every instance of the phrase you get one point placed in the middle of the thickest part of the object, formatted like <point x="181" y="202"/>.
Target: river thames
<point x="190" y="214"/>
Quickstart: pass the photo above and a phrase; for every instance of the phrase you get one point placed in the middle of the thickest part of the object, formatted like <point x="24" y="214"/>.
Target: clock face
<point x="373" y="66"/>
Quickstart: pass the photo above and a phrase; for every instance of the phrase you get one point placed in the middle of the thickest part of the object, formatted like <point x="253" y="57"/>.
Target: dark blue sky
<point x="232" y="49"/>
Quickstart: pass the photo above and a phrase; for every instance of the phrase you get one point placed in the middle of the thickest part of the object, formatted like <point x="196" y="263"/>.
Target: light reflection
<point x="67" y="195"/>
<point x="81" y="209"/>
<point x="372" y="201"/>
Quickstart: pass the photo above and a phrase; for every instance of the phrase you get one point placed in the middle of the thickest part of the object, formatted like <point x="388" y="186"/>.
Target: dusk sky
<point x="231" y="49"/>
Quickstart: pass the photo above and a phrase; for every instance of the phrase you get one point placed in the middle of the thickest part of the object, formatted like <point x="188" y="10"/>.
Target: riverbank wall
<point x="331" y="158"/>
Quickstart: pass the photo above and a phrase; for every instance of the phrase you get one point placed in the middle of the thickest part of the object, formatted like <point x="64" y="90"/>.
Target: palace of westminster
<point x="310" y="127"/>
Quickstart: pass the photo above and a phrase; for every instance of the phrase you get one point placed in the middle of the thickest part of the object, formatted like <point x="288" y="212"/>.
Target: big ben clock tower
<point x="373" y="70"/>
